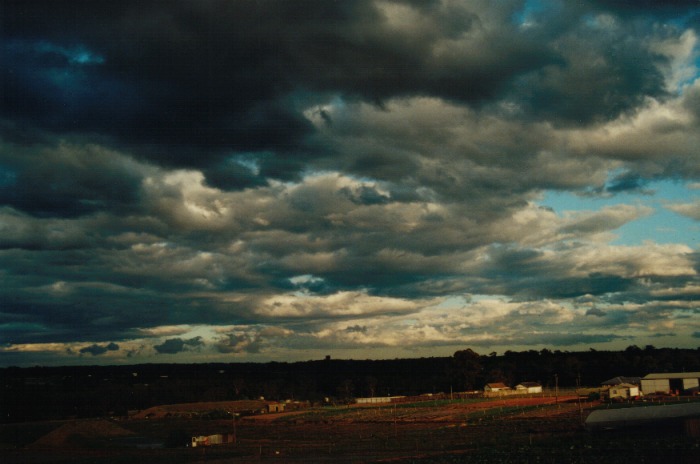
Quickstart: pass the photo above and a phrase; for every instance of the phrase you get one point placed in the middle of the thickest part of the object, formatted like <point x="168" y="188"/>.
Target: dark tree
<point x="468" y="368"/>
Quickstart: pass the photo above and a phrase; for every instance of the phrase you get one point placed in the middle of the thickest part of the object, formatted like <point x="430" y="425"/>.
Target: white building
<point x="622" y="390"/>
<point x="528" y="387"/>
<point x="496" y="387"/>
<point x="671" y="382"/>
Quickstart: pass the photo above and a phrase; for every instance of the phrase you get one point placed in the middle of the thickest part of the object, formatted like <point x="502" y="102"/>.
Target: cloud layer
<point x="217" y="180"/>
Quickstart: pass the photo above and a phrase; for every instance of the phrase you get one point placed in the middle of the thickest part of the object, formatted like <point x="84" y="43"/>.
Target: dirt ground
<point x="517" y="430"/>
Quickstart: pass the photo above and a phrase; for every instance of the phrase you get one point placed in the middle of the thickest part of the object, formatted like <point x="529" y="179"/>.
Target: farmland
<point x="512" y="429"/>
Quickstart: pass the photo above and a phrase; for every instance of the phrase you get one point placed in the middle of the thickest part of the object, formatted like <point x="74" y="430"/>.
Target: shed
<point x="275" y="407"/>
<point x="623" y="390"/>
<point x="670" y="382"/>
<point x="529" y="387"/>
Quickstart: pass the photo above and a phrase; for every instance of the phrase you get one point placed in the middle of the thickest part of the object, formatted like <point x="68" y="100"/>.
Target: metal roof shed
<point x="670" y="382"/>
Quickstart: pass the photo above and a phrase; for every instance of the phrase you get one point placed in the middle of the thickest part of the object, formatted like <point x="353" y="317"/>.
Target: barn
<point x="671" y="382"/>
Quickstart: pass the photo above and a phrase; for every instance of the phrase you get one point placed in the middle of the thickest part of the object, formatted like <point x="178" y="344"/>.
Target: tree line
<point x="37" y="393"/>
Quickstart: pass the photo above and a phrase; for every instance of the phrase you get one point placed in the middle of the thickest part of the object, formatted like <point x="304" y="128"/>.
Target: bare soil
<point x="188" y="409"/>
<point x="509" y="430"/>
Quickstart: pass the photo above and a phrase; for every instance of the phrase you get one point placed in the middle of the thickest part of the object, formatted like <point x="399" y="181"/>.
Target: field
<point x="509" y="430"/>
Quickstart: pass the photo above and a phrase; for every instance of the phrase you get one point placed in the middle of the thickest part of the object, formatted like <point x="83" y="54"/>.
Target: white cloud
<point x="691" y="209"/>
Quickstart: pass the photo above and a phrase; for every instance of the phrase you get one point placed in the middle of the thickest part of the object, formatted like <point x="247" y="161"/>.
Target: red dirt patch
<point x="68" y="433"/>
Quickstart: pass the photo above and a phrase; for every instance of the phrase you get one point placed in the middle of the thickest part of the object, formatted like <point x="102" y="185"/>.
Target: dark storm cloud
<point x="97" y="350"/>
<point x="67" y="179"/>
<point x="367" y="196"/>
<point x="356" y="328"/>
<point x="231" y="174"/>
<point x="647" y="6"/>
<point x="627" y="182"/>
<point x="177" y="345"/>
<point x="209" y="167"/>
<point x="595" y="53"/>
<point x="560" y="339"/>
<point x="240" y="343"/>
<point x="530" y="273"/>
<point x="92" y="303"/>
<point x="190" y="76"/>
<point x="595" y="312"/>
<point x="188" y="81"/>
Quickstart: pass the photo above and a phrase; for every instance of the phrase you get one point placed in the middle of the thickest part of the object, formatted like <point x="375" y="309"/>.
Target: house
<point x="672" y="382"/>
<point x="496" y="387"/>
<point x="275" y="407"/>
<point x="622" y="391"/>
<point x="620" y="379"/>
<point x="528" y="387"/>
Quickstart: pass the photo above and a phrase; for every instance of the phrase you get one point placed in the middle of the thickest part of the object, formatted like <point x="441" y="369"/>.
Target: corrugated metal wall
<point x="655" y="385"/>
<point x="690" y="383"/>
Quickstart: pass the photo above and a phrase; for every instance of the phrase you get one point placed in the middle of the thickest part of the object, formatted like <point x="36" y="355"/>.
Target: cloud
<point x="691" y="210"/>
<point x="178" y="345"/>
<point x="97" y="350"/>
<point x="68" y="179"/>
<point x="268" y="179"/>
<point x="251" y="339"/>
<point x="595" y="312"/>
<point x="604" y="220"/>
<point x="374" y="51"/>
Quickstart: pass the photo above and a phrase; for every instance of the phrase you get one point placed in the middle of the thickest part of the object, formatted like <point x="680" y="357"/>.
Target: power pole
<point x="578" y="396"/>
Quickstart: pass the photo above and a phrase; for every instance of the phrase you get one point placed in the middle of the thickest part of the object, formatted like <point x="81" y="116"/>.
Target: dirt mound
<point x="192" y="409"/>
<point x="78" y="431"/>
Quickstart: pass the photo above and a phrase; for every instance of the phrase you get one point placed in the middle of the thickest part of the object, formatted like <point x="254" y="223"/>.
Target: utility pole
<point x="556" y="388"/>
<point x="578" y="396"/>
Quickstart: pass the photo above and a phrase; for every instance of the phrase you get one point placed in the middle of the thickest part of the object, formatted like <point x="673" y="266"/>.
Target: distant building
<point x="208" y="440"/>
<point x="621" y="391"/>
<point x="496" y="387"/>
<point x="374" y="400"/>
<point x="622" y="379"/>
<point x="528" y="387"/>
<point x="275" y="407"/>
<point x="672" y="382"/>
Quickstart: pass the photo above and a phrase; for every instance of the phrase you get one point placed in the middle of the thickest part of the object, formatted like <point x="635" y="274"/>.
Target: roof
<point x="529" y="384"/>
<point x="622" y="379"/>
<point x="672" y="375"/>
<point x="625" y="385"/>
<point x="497" y="385"/>
<point x="606" y="418"/>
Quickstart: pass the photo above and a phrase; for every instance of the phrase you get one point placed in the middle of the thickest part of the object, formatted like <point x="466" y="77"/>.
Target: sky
<point x="274" y="180"/>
